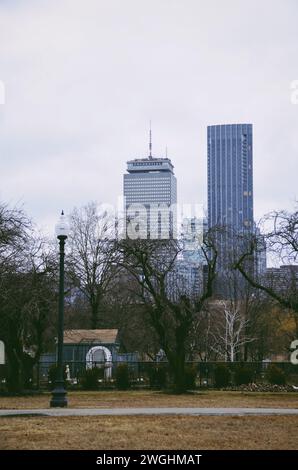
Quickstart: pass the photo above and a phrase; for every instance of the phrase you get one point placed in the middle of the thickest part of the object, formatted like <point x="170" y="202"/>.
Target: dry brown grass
<point x="116" y="399"/>
<point x="150" y="432"/>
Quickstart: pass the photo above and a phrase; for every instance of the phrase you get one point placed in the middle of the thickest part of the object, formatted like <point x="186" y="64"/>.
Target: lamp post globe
<point x="62" y="228"/>
<point x="59" y="393"/>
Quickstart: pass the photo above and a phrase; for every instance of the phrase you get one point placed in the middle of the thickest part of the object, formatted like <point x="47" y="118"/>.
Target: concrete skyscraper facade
<point x="150" y="190"/>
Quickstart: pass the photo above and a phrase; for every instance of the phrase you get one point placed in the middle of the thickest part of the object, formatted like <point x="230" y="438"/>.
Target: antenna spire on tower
<point x="150" y="143"/>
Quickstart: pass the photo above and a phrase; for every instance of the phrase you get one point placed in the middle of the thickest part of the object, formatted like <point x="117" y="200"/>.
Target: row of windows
<point x="137" y="189"/>
<point x="148" y="195"/>
<point x="149" y="176"/>
<point x="147" y="183"/>
<point x="147" y="163"/>
<point x="147" y="180"/>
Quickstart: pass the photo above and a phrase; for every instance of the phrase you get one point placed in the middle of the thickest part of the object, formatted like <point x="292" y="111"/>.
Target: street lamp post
<point x="59" y="393"/>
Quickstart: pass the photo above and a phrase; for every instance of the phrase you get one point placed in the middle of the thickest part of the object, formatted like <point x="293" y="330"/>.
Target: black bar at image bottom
<point x="128" y="459"/>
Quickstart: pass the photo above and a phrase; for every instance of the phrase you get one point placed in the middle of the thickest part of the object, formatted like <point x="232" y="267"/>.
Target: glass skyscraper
<point x="230" y="176"/>
<point x="230" y="199"/>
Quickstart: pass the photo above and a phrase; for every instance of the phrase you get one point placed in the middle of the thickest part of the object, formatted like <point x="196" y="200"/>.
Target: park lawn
<point x="127" y="399"/>
<point x="149" y="432"/>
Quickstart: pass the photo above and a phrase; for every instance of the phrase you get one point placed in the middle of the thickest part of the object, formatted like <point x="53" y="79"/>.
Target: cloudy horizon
<point x="83" y="79"/>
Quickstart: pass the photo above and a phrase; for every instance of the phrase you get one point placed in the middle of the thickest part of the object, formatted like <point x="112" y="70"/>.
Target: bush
<point x="190" y="377"/>
<point x="122" y="377"/>
<point x="222" y="376"/>
<point x="3" y="378"/>
<point x="158" y="377"/>
<point x="275" y="375"/>
<point x="52" y="374"/>
<point x="90" y="378"/>
<point x="243" y="375"/>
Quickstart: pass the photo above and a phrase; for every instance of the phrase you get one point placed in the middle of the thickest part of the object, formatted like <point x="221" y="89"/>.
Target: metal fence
<point x="140" y="373"/>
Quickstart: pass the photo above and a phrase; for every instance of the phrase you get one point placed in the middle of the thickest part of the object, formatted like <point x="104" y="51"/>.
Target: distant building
<point x="283" y="279"/>
<point x="192" y="232"/>
<point x="187" y="279"/>
<point x="150" y="182"/>
<point x="190" y="264"/>
<point x="260" y="255"/>
<point x="230" y="192"/>
<point x="230" y="176"/>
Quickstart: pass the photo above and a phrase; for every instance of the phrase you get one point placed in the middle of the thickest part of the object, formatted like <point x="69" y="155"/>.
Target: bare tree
<point x="15" y="229"/>
<point x="93" y="258"/>
<point x="27" y="296"/>
<point x="152" y="265"/>
<point x="282" y="242"/>
<point x="229" y="330"/>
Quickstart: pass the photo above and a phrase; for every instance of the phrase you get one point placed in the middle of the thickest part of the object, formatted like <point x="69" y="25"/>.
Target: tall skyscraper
<point x="150" y="189"/>
<point x="230" y="176"/>
<point x="230" y="199"/>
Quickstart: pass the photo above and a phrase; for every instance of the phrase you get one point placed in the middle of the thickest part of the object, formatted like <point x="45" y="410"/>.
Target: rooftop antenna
<point x="166" y="151"/>
<point x="150" y="143"/>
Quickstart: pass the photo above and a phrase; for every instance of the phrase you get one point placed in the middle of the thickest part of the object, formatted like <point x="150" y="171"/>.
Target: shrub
<point x="190" y="377"/>
<point x="90" y="378"/>
<point x="275" y="375"/>
<point x="122" y="377"/>
<point x="243" y="375"/>
<point x="3" y="381"/>
<point x="52" y="374"/>
<point x="222" y="376"/>
<point x="158" y="377"/>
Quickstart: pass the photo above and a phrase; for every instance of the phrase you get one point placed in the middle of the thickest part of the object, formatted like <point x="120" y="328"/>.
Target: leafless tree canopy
<point x="27" y="294"/>
<point x="92" y="262"/>
<point x="152" y="264"/>
<point x="282" y="240"/>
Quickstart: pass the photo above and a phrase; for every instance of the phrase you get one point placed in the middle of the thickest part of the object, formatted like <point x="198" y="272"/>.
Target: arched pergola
<point x="91" y="359"/>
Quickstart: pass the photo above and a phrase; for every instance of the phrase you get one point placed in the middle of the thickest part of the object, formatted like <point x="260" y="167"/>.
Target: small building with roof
<point x="85" y="349"/>
<point x="90" y="348"/>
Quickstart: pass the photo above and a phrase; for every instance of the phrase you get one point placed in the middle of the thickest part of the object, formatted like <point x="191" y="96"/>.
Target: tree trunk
<point x="232" y="353"/>
<point x="96" y="319"/>
<point x="15" y="382"/>
<point x="179" y="365"/>
<point x="94" y="316"/>
<point x="179" y="374"/>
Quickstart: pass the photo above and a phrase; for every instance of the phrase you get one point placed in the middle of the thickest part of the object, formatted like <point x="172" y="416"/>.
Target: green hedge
<point x="190" y="377"/>
<point x="52" y="374"/>
<point x="90" y="378"/>
<point x="222" y="376"/>
<point x="275" y="375"/>
<point x="243" y="375"/>
<point x="158" y="377"/>
<point x="122" y="377"/>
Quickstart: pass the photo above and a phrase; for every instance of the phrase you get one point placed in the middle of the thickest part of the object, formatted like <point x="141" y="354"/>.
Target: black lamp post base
<point x="59" y="399"/>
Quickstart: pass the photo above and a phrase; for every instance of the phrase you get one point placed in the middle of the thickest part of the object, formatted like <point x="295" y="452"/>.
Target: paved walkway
<point x="151" y="411"/>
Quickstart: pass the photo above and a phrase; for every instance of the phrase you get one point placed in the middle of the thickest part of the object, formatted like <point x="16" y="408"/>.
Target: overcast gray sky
<point x="84" y="77"/>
